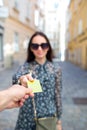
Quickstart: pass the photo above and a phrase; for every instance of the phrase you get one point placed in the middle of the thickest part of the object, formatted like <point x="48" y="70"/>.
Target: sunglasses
<point x="35" y="46"/>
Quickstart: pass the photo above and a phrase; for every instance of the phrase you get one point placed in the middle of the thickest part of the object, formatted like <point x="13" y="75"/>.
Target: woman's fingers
<point x="29" y="77"/>
<point x="24" y="79"/>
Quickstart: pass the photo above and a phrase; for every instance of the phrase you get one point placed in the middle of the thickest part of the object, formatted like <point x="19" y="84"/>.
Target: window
<point x="25" y="43"/>
<point x="75" y="5"/>
<point x="16" y="5"/>
<point x="80" y="26"/>
<point x="75" y="31"/>
<point x="1" y="2"/>
<point x="29" y="10"/>
<point x="36" y="18"/>
<point x="79" y="1"/>
<point x="16" y="42"/>
<point x="1" y="49"/>
<point x="69" y="16"/>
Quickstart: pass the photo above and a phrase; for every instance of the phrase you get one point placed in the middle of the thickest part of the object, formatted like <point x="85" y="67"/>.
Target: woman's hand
<point x="24" y="79"/>
<point x="59" y="125"/>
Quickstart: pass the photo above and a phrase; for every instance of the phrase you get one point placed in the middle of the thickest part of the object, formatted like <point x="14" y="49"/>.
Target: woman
<point x="48" y="102"/>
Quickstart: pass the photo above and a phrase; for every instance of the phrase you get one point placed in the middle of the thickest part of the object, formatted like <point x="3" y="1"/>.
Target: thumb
<point x="30" y="92"/>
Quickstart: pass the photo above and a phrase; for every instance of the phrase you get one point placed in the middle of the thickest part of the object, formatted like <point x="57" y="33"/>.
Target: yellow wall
<point x="78" y="42"/>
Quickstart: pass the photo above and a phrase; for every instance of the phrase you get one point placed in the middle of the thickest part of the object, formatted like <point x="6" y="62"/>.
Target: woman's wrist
<point x="58" y="121"/>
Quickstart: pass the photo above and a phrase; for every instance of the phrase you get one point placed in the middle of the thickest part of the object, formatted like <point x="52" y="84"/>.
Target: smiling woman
<point x="48" y="101"/>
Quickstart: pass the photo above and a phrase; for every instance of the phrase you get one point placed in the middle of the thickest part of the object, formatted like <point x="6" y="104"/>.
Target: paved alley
<point x="74" y="97"/>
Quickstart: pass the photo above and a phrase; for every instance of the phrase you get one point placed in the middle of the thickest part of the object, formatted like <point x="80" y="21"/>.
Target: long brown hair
<point x="30" y="55"/>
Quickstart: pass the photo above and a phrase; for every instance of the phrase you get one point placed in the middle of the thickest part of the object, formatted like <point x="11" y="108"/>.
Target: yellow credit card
<point x="35" y="85"/>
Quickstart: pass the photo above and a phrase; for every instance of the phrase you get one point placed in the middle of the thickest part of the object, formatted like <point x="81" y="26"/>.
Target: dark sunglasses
<point x="35" y="46"/>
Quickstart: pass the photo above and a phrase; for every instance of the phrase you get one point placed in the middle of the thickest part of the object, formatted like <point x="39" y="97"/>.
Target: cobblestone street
<point x="74" y="95"/>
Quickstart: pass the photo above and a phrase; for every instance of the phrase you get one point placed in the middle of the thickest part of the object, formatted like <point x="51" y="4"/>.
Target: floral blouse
<point x="47" y="102"/>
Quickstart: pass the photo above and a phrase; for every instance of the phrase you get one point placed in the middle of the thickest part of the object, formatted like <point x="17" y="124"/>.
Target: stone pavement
<point x="74" y="88"/>
<point x="7" y="117"/>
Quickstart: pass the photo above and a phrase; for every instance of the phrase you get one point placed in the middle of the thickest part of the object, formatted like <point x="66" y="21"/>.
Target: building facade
<point x="16" y="29"/>
<point x="76" y="33"/>
<point x="52" y="25"/>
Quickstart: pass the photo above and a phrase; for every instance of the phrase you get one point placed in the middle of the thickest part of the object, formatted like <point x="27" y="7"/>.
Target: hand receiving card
<point x="35" y="85"/>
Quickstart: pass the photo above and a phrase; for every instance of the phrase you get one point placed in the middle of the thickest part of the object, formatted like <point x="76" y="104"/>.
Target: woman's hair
<point x="30" y="55"/>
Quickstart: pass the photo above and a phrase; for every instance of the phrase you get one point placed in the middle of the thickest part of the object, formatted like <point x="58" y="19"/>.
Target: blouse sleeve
<point x="58" y="90"/>
<point x="22" y="70"/>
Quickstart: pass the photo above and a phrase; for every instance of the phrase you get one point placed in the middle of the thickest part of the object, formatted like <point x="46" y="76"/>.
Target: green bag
<point x="46" y="123"/>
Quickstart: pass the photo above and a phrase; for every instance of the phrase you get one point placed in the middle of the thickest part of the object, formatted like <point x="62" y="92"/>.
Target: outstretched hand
<point x="24" y="79"/>
<point x="17" y="95"/>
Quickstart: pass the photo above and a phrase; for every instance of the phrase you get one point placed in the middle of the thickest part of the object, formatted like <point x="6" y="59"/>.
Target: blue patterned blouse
<point x="47" y="102"/>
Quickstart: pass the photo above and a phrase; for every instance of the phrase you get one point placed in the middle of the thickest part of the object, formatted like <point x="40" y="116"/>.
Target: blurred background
<point x="20" y="19"/>
<point x="65" y="24"/>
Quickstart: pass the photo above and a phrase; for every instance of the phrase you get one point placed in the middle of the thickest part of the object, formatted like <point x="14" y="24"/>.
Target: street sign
<point x="4" y="12"/>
